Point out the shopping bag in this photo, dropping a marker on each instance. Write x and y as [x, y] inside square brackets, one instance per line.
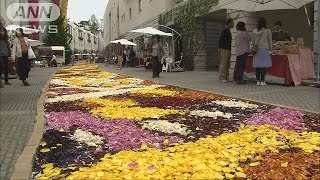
[31, 54]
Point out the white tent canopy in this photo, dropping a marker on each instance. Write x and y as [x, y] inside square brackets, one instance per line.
[35, 42]
[152, 31]
[123, 42]
[13, 28]
[261, 5]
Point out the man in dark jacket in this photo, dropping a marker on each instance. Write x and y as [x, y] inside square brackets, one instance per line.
[225, 51]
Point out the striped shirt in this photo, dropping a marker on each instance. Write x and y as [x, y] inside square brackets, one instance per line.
[242, 42]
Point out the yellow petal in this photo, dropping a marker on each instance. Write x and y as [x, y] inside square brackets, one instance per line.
[284, 164]
[166, 142]
[100, 174]
[229, 176]
[254, 164]
[45, 150]
[43, 143]
[241, 175]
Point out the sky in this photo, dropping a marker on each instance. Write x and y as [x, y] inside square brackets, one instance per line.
[79, 10]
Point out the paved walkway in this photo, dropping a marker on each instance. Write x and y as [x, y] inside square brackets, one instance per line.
[17, 113]
[301, 97]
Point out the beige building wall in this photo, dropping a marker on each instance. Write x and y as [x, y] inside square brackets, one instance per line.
[121, 16]
[81, 42]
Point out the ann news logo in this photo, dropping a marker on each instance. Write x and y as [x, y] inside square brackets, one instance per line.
[26, 12]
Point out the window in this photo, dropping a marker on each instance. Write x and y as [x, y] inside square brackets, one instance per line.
[139, 6]
[89, 38]
[123, 18]
[95, 40]
[80, 35]
[130, 13]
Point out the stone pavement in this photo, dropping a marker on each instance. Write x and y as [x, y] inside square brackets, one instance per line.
[301, 97]
[17, 113]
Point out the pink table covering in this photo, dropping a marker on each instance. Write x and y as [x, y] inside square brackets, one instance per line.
[295, 68]
[307, 64]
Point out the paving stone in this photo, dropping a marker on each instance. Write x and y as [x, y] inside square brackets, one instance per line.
[18, 113]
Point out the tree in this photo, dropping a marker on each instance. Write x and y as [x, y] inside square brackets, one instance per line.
[84, 23]
[60, 38]
[94, 25]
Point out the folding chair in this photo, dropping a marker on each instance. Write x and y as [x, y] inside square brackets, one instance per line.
[177, 64]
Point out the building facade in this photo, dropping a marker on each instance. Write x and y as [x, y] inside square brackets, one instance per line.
[82, 41]
[122, 16]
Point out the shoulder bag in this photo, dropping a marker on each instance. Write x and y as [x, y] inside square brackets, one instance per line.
[255, 47]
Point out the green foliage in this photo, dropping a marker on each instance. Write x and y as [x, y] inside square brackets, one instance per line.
[84, 23]
[186, 16]
[94, 25]
[60, 38]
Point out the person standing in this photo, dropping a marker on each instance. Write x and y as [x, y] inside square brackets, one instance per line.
[5, 53]
[20, 52]
[132, 55]
[53, 61]
[279, 34]
[120, 54]
[262, 38]
[127, 54]
[242, 50]
[225, 51]
[73, 58]
[157, 53]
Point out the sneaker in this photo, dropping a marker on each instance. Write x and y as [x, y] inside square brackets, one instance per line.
[263, 83]
[258, 83]
[224, 81]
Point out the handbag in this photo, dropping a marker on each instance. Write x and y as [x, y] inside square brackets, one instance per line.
[31, 54]
[255, 47]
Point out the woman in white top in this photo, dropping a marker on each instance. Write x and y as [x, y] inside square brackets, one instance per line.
[20, 49]
[157, 53]
[262, 37]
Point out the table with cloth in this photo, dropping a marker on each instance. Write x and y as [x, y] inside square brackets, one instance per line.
[286, 69]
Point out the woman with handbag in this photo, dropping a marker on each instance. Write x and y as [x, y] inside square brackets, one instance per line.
[5, 53]
[20, 52]
[262, 47]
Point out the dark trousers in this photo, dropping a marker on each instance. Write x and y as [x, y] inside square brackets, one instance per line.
[240, 67]
[4, 68]
[156, 66]
[23, 66]
[29, 67]
[261, 74]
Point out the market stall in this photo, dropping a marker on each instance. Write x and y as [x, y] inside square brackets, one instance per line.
[291, 63]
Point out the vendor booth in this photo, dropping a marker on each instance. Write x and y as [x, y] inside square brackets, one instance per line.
[291, 63]
[292, 60]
